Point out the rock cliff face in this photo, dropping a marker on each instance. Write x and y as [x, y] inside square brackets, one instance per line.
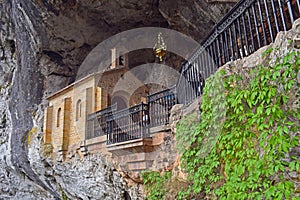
[42, 44]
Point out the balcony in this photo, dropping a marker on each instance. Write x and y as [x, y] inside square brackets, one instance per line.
[128, 124]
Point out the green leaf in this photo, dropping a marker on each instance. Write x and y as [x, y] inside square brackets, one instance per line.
[292, 166]
[285, 129]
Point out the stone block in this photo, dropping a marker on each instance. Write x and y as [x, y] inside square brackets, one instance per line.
[158, 138]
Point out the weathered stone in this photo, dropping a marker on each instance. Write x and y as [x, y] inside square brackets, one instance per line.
[42, 43]
[175, 116]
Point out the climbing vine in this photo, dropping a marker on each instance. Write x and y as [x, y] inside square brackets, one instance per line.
[239, 149]
[155, 184]
[253, 127]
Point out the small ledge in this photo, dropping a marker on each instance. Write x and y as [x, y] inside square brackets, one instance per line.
[96, 140]
[160, 128]
[137, 143]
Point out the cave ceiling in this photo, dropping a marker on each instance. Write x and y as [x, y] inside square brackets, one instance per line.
[73, 28]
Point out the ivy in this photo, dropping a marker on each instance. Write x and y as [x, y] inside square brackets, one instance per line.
[155, 186]
[245, 134]
[239, 148]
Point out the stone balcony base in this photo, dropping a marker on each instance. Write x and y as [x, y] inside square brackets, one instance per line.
[135, 155]
[134, 146]
[97, 144]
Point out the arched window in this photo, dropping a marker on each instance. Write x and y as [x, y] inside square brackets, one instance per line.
[58, 117]
[78, 109]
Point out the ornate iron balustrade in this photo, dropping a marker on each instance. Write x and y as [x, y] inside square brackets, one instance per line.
[160, 105]
[128, 124]
[97, 122]
[190, 84]
[249, 25]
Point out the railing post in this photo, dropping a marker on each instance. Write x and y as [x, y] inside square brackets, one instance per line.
[275, 16]
[219, 62]
[207, 61]
[202, 63]
[247, 50]
[269, 21]
[108, 131]
[282, 14]
[290, 11]
[236, 54]
[223, 48]
[95, 127]
[214, 54]
[188, 85]
[256, 25]
[240, 41]
[262, 22]
[193, 81]
[231, 45]
[251, 32]
[226, 47]
[195, 66]
[185, 87]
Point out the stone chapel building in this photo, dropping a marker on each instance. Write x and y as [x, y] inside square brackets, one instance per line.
[73, 128]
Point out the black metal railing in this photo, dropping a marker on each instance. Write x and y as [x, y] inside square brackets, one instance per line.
[160, 105]
[249, 25]
[97, 122]
[190, 84]
[128, 124]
